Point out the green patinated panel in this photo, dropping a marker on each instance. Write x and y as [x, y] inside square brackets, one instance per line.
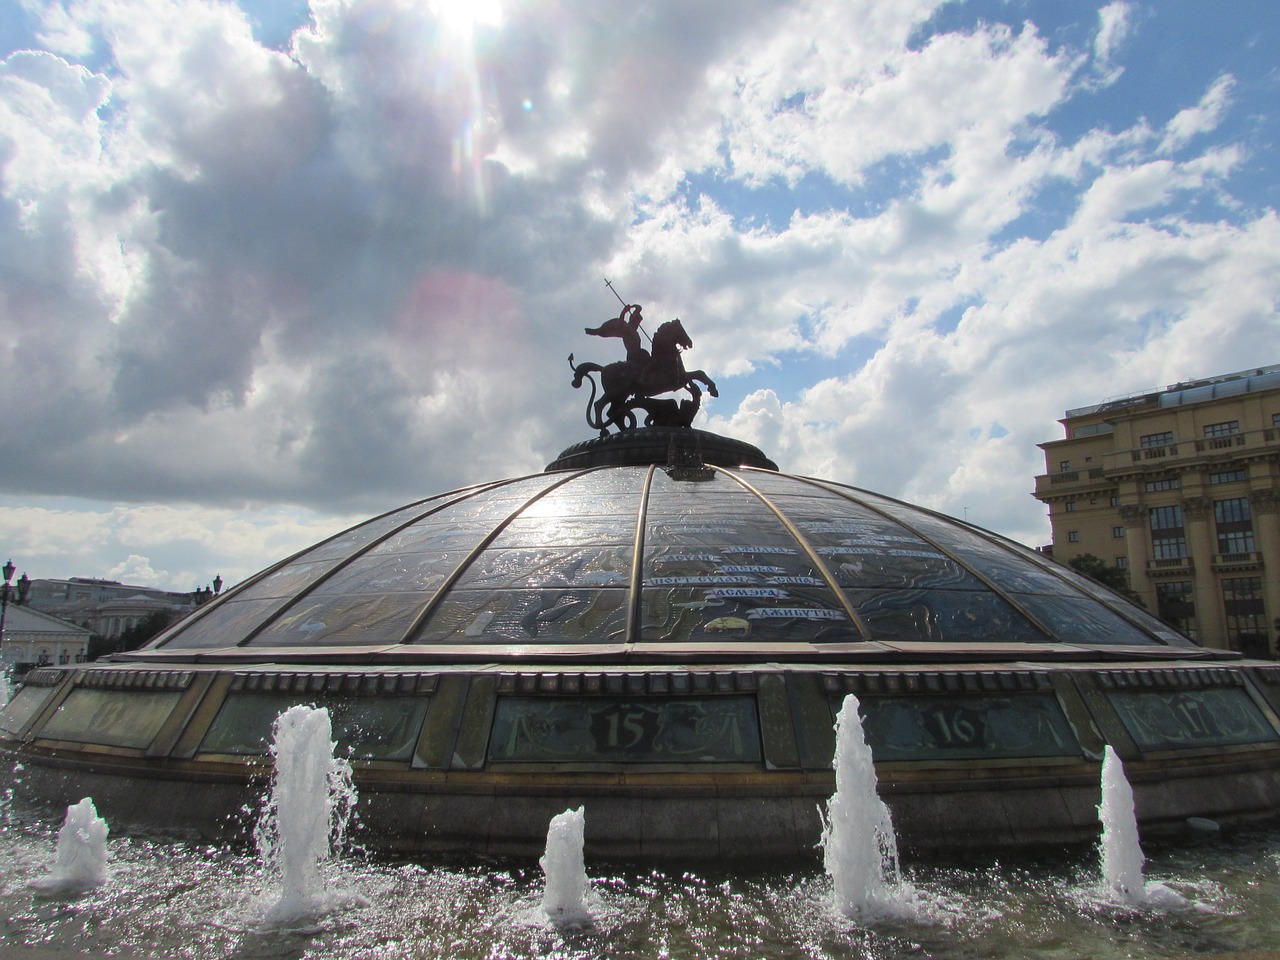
[965, 728]
[588, 730]
[776, 724]
[441, 728]
[1218, 716]
[365, 728]
[26, 703]
[112, 718]
[476, 716]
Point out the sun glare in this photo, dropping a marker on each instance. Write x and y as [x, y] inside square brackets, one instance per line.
[465, 15]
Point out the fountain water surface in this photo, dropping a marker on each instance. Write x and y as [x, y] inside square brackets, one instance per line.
[80, 860]
[304, 821]
[859, 849]
[564, 897]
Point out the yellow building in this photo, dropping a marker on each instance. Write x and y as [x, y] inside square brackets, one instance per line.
[1181, 489]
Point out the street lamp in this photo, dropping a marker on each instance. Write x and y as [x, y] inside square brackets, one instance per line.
[8, 570]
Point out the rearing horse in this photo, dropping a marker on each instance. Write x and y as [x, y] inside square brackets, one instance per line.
[625, 381]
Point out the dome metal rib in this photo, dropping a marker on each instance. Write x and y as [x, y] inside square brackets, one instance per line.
[814, 557]
[443, 589]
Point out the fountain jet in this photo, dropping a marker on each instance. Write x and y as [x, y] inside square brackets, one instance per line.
[80, 860]
[1121, 852]
[859, 849]
[305, 818]
[563, 899]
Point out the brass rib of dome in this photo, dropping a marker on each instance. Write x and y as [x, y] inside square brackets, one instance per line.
[850, 494]
[813, 556]
[995, 588]
[634, 606]
[243, 587]
[1123, 611]
[442, 591]
[344, 562]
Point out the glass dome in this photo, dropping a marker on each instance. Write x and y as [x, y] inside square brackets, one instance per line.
[659, 561]
[663, 627]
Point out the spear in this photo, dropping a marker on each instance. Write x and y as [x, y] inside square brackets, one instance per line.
[609, 283]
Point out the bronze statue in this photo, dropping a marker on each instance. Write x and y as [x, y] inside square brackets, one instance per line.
[628, 385]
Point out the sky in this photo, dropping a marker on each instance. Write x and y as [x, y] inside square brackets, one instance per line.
[267, 269]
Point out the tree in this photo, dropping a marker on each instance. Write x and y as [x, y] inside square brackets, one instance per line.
[1097, 569]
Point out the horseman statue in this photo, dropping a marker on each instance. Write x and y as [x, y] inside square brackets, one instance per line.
[630, 385]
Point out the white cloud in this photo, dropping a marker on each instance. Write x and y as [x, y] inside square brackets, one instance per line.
[1202, 118]
[348, 274]
[1115, 21]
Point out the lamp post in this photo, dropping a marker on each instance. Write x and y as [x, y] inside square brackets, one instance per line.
[23, 586]
[8, 571]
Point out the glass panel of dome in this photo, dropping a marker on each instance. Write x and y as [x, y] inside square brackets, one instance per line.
[345, 544]
[439, 533]
[757, 536]
[897, 566]
[601, 493]
[776, 484]
[521, 616]
[783, 566]
[865, 550]
[942, 616]
[673, 614]
[1006, 566]
[398, 573]
[289, 579]
[596, 566]
[1081, 620]
[224, 624]
[352, 619]
[1158, 628]
[568, 531]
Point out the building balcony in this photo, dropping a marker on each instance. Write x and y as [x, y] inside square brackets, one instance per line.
[1237, 561]
[1213, 449]
[1171, 567]
[1068, 481]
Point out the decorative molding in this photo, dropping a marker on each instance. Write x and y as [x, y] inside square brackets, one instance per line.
[1197, 508]
[1134, 515]
[1265, 501]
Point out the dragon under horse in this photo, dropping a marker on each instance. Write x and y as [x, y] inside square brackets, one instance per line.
[629, 385]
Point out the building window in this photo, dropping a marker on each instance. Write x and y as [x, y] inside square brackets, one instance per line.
[1115, 501]
[1228, 476]
[1235, 525]
[1168, 541]
[1175, 605]
[1225, 429]
[1117, 533]
[1064, 466]
[1275, 419]
[1155, 486]
[1122, 563]
[1156, 439]
[1071, 506]
[1246, 619]
[1073, 536]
